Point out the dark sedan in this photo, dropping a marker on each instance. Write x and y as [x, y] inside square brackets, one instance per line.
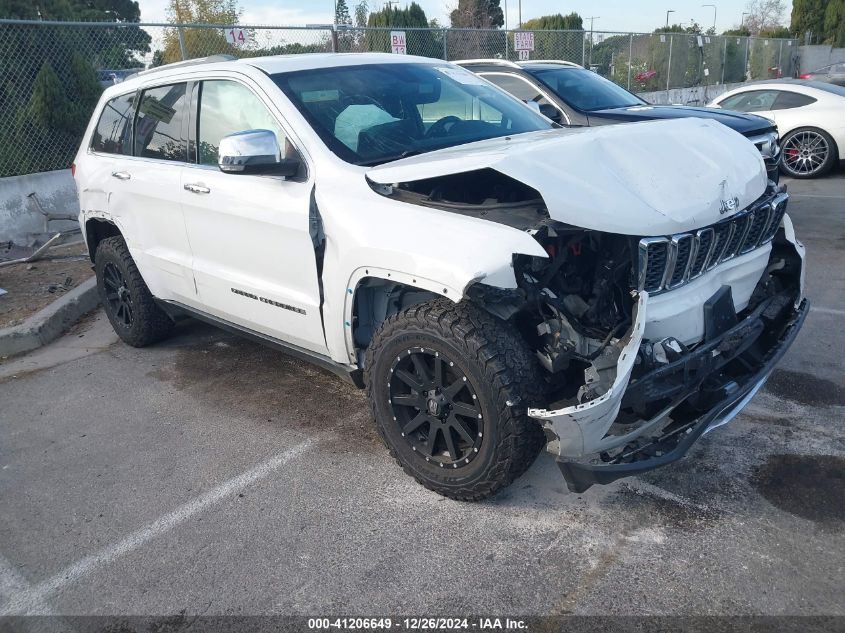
[574, 96]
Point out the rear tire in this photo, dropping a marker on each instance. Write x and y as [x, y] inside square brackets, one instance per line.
[475, 404]
[807, 153]
[126, 299]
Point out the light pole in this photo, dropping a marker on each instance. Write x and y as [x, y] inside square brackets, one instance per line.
[714, 15]
[591, 18]
[742, 20]
[520, 14]
[667, 16]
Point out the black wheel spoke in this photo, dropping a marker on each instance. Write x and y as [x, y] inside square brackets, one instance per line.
[468, 410]
[409, 380]
[450, 444]
[410, 400]
[452, 390]
[432, 439]
[462, 429]
[415, 423]
[438, 371]
[420, 369]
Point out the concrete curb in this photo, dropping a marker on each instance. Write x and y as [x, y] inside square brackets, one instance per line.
[50, 322]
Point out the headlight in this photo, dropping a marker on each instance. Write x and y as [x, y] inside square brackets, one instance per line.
[767, 144]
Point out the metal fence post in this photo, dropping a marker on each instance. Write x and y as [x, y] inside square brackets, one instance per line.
[745, 74]
[334, 39]
[583, 49]
[780, 56]
[630, 54]
[445, 45]
[724, 57]
[669, 63]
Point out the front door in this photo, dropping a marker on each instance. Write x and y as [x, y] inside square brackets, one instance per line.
[253, 257]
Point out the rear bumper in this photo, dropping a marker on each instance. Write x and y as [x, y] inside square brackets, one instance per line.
[684, 430]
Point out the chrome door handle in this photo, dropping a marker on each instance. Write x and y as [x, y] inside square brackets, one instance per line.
[121, 175]
[197, 188]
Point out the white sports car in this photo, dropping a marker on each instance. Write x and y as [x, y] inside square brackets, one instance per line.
[810, 116]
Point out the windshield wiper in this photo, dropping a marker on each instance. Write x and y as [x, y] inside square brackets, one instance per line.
[390, 159]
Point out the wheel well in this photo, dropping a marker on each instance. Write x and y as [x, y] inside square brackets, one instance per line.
[377, 299]
[96, 230]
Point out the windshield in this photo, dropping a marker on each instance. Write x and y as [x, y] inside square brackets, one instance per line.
[375, 113]
[585, 90]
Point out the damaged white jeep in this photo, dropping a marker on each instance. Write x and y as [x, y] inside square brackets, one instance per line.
[497, 282]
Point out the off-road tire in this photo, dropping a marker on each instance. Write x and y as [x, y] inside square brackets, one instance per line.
[149, 323]
[503, 372]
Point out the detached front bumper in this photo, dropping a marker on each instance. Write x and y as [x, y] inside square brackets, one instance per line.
[656, 408]
[686, 427]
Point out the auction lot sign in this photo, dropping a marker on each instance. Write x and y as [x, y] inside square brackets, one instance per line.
[523, 43]
[398, 43]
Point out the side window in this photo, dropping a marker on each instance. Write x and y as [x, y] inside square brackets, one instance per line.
[227, 107]
[113, 134]
[159, 126]
[518, 87]
[754, 101]
[786, 100]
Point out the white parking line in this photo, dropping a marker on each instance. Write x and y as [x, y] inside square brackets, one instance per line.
[822, 310]
[814, 195]
[26, 599]
[13, 584]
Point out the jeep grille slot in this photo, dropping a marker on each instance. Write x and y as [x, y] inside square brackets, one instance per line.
[668, 262]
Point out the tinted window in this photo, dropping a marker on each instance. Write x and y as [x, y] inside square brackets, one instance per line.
[517, 87]
[585, 90]
[159, 128]
[114, 129]
[227, 107]
[375, 113]
[752, 101]
[786, 100]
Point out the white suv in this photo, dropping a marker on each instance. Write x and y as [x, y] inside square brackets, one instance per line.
[497, 282]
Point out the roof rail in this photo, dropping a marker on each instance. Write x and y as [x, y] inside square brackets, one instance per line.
[190, 62]
[502, 62]
[552, 61]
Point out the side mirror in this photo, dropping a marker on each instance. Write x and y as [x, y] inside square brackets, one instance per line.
[254, 152]
[550, 112]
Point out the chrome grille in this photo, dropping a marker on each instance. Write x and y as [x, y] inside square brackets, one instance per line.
[666, 263]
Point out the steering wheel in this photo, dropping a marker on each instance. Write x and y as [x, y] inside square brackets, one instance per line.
[441, 126]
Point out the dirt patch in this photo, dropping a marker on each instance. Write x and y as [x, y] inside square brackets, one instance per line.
[239, 375]
[647, 509]
[808, 486]
[805, 388]
[31, 287]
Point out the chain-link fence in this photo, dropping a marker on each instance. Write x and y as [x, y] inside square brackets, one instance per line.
[51, 73]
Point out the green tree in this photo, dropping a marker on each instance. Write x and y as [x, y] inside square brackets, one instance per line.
[341, 13]
[412, 16]
[808, 19]
[556, 22]
[199, 42]
[477, 14]
[834, 23]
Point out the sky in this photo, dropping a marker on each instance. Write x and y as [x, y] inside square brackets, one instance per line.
[611, 15]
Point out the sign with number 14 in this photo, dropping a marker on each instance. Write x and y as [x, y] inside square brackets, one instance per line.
[235, 36]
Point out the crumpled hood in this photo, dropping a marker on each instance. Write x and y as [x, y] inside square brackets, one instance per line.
[651, 178]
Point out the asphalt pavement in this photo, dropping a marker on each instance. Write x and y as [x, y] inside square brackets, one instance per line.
[208, 475]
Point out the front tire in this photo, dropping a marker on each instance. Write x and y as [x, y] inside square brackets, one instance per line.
[449, 387]
[126, 299]
[807, 153]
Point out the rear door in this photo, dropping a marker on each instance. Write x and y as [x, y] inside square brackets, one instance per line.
[254, 258]
[144, 195]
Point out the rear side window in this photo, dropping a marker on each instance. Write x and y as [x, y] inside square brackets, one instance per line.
[752, 101]
[113, 134]
[788, 100]
[161, 124]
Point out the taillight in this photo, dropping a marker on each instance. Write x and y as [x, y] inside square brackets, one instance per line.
[805, 76]
[73, 170]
